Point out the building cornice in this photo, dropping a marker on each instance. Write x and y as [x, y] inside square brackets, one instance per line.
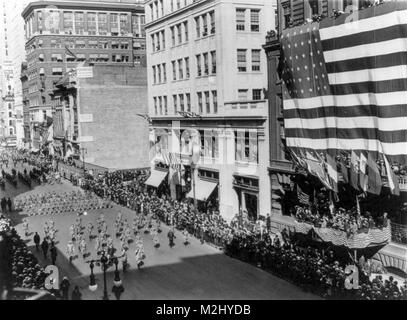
[177, 12]
[134, 8]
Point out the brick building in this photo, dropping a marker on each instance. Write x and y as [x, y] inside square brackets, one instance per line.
[61, 34]
[96, 115]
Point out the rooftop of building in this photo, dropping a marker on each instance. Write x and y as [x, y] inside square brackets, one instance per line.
[120, 5]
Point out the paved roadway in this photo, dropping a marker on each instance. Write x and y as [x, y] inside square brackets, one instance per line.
[193, 272]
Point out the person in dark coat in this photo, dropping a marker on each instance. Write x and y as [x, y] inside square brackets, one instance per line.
[171, 237]
[53, 253]
[65, 284]
[268, 223]
[9, 204]
[76, 294]
[37, 241]
[44, 247]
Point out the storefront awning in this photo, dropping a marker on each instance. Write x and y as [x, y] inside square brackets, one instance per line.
[156, 178]
[203, 190]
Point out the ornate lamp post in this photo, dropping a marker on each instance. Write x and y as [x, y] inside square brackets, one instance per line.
[105, 264]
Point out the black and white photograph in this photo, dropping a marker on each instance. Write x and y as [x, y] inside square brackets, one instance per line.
[222, 152]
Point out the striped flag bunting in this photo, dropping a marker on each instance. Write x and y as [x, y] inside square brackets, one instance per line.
[302, 196]
[345, 83]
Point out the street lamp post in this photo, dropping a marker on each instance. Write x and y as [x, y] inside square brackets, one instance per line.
[105, 265]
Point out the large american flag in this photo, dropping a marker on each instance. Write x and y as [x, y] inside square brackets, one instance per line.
[345, 83]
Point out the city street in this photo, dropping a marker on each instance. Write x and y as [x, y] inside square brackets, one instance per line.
[193, 272]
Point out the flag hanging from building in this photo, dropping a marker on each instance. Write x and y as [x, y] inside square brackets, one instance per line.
[391, 178]
[345, 83]
[69, 53]
[354, 171]
[332, 172]
[374, 179]
[302, 196]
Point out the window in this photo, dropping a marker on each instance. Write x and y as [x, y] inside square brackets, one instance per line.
[186, 36]
[205, 25]
[180, 69]
[79, 23]
[256, 94]
[241, 60]
[207, 102]
[115, 45]
[93, 57]
[187, 74]
[159, 73]
[155, 106]
[256, 60]
[160, 104]
[124, 24]
[174, 99]
[173, 36]
[242, 94]
[206, 63]
[163, 39]
[188, 96]
[174, 70]
[199, 94]
[179, 32]
[213, 61]
[198, 65]
[215, 101]
[240, 19]
[80, 44]
[212, 21]
[103, 45]
[198, 27]
[164, 72]
[57, 71]
[181, 102]
[114, 24]
[102, 23]
[124, 45]
[165, 105]
[56, 57]
[255, 20]
[70, 44]
[56, 43]
[68, 22]
[92, 29]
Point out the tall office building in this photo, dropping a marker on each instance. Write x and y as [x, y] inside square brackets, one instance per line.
[206, 78]
[60, 35]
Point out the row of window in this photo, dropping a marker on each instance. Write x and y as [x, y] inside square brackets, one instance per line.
[207, 103]
[205, 25]
[90, 44]
[254, 19]
[246, 144]
[243, 94]
[204, 66]
[79, 23]
[242, 65]
[159, 73]
[209, 100]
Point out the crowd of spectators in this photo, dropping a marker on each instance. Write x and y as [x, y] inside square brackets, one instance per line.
[306, 266]
[18, 263]
[349, 221]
